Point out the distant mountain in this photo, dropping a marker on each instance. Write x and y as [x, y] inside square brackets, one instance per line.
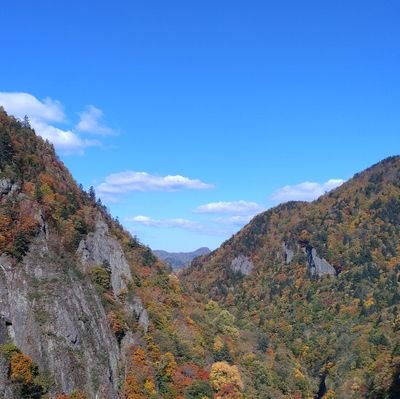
[178, 260]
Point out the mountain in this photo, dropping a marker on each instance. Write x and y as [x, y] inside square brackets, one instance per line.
[178, 260]
[312, 292]
[303, 302]
[85, 310]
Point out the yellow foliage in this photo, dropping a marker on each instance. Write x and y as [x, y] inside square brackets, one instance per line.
[150, 386]
[223, 374]
[298, 374]
[174, 283]
[171, 364]
[218, 344]
[369, 302]
[330, 394]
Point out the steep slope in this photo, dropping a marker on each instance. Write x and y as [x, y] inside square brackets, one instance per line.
[85, 310]
[178, 260]
[312, 290]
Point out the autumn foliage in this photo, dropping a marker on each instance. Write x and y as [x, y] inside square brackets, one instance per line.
[21, 368]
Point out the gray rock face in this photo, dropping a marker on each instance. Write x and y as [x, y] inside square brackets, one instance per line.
[144, 320]
[3, 330]
[317, 266]
[242, 264]
[57, 318]
[100, 247]
[5, 186]
[5, 386]
[288, 253]
[138, 310]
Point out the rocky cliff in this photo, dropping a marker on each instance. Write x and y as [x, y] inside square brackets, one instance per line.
[78, 295]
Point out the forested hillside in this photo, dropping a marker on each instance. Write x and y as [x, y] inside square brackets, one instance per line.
[313, 293]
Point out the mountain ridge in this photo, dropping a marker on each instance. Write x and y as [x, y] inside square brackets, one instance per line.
[178, 260]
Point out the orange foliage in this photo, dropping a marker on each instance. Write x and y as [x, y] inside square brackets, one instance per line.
[21, 368]
[116, 324]
[132, 388]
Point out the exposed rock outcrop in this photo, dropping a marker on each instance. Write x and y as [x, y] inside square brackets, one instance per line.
[99, 248]
[5, 388]
[288, 253]
[8, 188]
[5, 186]
[318, 267]
[46, 297]
[137, 309]
[242, 264]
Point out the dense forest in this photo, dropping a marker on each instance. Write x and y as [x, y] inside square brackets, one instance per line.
[303, 302]
[337, 332]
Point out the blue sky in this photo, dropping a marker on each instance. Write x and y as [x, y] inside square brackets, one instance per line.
[248, 103]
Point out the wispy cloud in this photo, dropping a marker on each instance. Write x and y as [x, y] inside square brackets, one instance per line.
[46, 116]
[91, 121]
[234, 207]
[210, 228]
[129, 181]
[306, 191]
[168, 223]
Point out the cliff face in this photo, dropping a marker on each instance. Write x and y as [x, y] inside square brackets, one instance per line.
[57, 318]
[51, 310]
[100, 248]
[75, 287]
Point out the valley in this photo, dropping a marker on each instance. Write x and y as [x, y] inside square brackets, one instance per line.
[302, 302]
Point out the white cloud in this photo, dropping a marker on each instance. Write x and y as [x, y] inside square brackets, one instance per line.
[235, 207]
[211, 228]
[168, 223]
[44, 115]
[129, 181]
[306, 191]
[91, 122]
[64, 140]
[21, 104]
